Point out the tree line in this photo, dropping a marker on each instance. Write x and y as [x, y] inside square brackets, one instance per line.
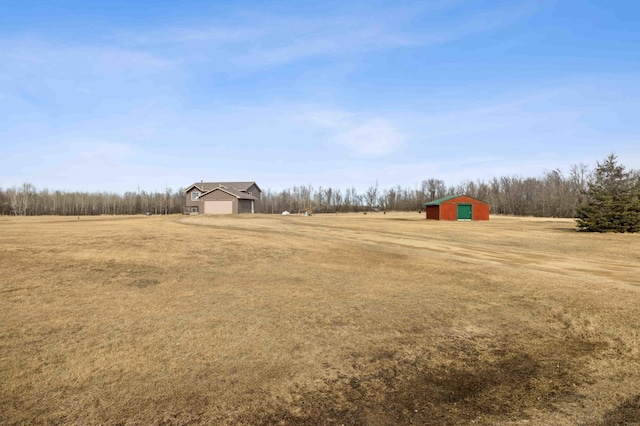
[553, 194]
[26, 200]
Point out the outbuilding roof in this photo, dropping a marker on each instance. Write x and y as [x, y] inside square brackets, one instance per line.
[451, 197]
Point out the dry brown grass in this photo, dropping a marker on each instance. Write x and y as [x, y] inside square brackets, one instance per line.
[349, 319]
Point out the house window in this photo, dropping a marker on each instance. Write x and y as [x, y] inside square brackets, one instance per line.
[194, 195]
[249, 192]
[194, 209]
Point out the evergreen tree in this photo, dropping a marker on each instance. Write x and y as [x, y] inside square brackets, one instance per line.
[612, 200]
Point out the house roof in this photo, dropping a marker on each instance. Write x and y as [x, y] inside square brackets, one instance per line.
[445, 199]
[231, 191]
[208, 186]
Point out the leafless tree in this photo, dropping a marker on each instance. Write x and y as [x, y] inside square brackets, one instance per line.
[371, 196]
[433, 188]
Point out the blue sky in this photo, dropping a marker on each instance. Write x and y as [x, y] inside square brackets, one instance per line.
[112, 96]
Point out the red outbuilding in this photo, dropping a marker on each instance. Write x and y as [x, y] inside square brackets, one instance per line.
[457, 207]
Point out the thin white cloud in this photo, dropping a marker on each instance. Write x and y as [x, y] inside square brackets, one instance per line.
[213, 33]
[89, 163]
[81, 165]
[54, 78]
[372, 138]
[394, 28]
[105, 153]
[259, 39]
[44, 70]
[475, 24]
[368, 137]
[38, 56]
[326, 118]
[320, 43]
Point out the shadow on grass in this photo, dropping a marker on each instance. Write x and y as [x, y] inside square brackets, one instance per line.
[388, 390]
[627, 413]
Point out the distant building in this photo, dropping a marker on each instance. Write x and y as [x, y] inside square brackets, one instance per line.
[457, 207]
[222, 198]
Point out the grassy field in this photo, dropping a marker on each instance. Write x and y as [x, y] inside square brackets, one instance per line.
[350, 319]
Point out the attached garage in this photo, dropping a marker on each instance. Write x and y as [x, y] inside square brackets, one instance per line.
[219, 201]
[457, 207]
[218, 207]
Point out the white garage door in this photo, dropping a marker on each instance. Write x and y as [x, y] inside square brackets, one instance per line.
[218, 207]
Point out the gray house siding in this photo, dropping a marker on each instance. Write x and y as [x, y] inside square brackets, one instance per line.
[244, 206]
[191, 203]
[255, 191]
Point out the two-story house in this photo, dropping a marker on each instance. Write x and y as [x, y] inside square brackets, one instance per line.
[222, 198]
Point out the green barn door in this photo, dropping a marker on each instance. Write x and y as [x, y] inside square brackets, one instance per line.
[464, 212]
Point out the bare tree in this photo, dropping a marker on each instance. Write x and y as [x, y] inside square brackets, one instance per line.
[434, 188]
[21, 197]
[371, 195]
